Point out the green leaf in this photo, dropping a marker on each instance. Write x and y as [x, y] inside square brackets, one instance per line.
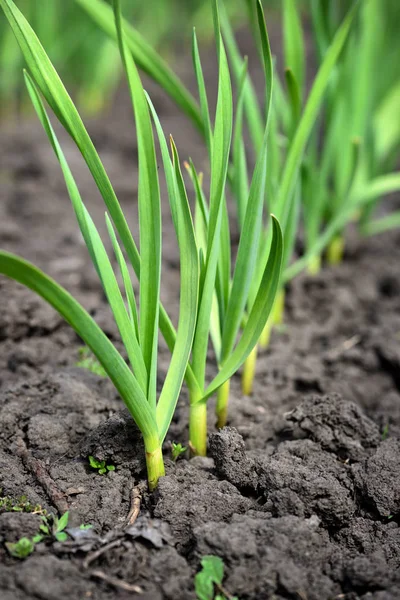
[380, 186]
[293, 42]
[189, 270]
[249, 240]
[94, 463]
[306, 124]
[259, 313]
[214, 567]
[123, 267]
[24, 272]
[219, 168]
[373, 227]
[95, 246]
[360, 197]
[146, 58]
[295, 99]
[58, 98]
[252, 108]
[52, 88]
[62, 522]
[21, 549]
[240, 178]
[61, 537]
[202, 93]
[204, 587]
[149, 217]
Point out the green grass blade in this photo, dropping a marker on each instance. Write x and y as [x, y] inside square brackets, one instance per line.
[383, 224]
[240, 178]
[294, 49]
[176, 209]
[149, 216]
[292, 226]
[249, 240]
[223, 280]
[146, 58]
[258, 315]
[386, 184]
[24, 272]
[380, 186]
[95, 246]
[189, 271]
[115, 300]
[57, 97]
[306, 125]
[254, 117]
[123, 267]
[219, 168]
[202, 93]
[319, 28]
[295, 100]
[201, 225]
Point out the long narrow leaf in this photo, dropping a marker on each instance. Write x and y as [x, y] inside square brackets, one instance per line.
[95, 246]
[149, 216]
[219, 168]
[258, 315]
[202, 93]
[292, 165]
[24, 272]
[189, 269]
[249, 239]
[123, 267]
[56, 95]
[146, 58]
[294, 42]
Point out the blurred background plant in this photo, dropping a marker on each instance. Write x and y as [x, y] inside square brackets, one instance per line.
[86, 58]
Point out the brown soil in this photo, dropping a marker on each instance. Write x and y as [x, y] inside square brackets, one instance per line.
[300, 495]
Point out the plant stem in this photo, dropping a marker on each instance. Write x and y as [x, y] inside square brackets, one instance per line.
[221, 409]
[314, 265]
[154, 463]
[197, 427]
[249, 369]
[335, 250]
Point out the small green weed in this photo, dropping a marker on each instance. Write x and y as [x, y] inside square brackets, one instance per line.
[21, 549]
[100, 465]
[208, 582]
[53, 527]
[177, 450]
[20, 504]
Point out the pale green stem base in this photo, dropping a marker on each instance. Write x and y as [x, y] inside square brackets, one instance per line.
[278, 308]
[249, 369]
[198, 428]
[314, 266]
[275, 318]
[221, 409]
[335, 250]
[155, 466]
[266, 334]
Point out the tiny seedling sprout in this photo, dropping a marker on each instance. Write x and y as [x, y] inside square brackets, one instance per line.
[100, 465]
[21, 549]
[177, 450]
[208, 581]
